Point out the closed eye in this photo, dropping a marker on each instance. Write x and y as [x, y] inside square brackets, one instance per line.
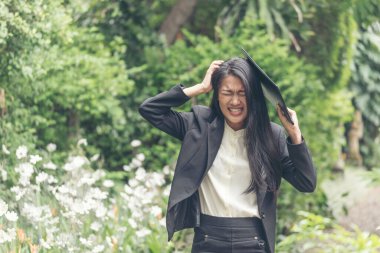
[228, 94]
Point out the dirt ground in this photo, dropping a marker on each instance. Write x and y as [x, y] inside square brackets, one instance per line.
[354, 200]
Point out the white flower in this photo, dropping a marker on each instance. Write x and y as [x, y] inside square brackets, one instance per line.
[34, 159]
[4, 174]
[101, 211]
[108, 183]
[96, 193]
[132, 222]
[98, 249]
[20, 192]
[133, 182]
[85, 242]
[166, 170]
[136, 163]
[156, 211]
[50, 166]
[167, 190]
[41, 177]
[11, 216]
[25, 169]
[75, 162]
[135, 143]
[122, 229]
[143, 232]
[21, 152]
[109, 241]
[45, 244]
[94, 158]
[157, 179]
[162, 221]
[82, 142]
[8, 236]
[138, 214]
[3, 207]
[52, 180]
[140, 174]
[5, 150]
[140, 157]
[126, 168]
[24, 181]
[51, 147]
[95, 226]
[128, 189]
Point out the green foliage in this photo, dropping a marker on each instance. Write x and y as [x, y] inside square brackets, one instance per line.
[133, 20]
[366, 12]
[281, 18]
[315, 233]
[73, 206]
[365, 84]
[320, 111]
[331, 44]
[61, 81]
[290, 201]
[205, 17]
[63, 68]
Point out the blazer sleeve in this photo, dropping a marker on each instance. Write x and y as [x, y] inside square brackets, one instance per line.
[297, 164]
[157, 110]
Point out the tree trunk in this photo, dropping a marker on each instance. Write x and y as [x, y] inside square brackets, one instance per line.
[73, 124]
[178, 16]
[354, 135]
[3, 105]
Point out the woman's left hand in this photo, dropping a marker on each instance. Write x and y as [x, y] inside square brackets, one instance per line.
[294, 131]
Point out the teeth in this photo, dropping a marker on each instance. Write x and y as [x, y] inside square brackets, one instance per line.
[236, 110]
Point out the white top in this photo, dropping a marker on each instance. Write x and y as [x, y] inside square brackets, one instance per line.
[221, 191]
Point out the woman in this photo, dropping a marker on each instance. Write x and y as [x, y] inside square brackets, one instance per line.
[231, 161]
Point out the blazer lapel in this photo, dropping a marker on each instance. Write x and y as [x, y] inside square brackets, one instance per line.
[214, 139]
[260, 195]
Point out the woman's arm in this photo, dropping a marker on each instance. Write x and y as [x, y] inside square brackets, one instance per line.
[205, 86]
[297, 165]
[157, 110]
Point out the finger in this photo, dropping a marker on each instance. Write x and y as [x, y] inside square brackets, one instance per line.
[279, 108]
[217, 62]
[290, 110]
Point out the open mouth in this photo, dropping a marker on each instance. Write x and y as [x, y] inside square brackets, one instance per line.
[235, 111]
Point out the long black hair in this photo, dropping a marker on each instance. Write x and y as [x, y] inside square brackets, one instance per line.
[262, 151]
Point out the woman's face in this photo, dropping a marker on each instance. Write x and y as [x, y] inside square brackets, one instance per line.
[232, 101]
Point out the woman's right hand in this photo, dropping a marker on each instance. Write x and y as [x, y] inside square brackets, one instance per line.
[205, 86]
[206, 83]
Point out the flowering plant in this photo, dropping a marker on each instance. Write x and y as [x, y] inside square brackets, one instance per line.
[72, 207]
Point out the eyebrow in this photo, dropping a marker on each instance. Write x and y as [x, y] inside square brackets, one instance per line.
[230, 90]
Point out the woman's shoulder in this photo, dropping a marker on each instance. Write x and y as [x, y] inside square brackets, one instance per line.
[203, 112]
[276, 128]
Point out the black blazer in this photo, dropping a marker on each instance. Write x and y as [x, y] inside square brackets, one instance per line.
[201, 132]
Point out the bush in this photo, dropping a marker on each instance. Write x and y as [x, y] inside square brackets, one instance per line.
[76, 206]
[314, 234]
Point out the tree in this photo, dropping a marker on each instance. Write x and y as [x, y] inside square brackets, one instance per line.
[178, 16]
[64, 80]
[366, 78]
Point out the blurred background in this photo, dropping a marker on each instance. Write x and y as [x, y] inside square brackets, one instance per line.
[81, 171]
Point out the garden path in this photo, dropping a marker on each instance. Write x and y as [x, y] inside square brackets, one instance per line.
[354, 199]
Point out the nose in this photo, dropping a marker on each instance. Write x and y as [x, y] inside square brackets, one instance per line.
[235, 99]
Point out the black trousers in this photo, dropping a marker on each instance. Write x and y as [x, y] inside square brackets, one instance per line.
[229, 235]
